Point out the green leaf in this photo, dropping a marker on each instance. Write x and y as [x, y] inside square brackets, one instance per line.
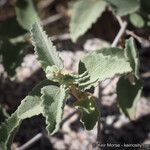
[11, 55]
[89, 112]
[128, 95]
[3, 113]
[137, 20]
[10, 28]
[102, 64]
[26, 13]
[53, 104]
[44, 48]
[32, 104]
[132, 56]
[124, 7]
[84, 14]
[7, 131]
[145, 4]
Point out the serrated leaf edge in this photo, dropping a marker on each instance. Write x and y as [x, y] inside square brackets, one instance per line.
[46, 113]
[47, 40]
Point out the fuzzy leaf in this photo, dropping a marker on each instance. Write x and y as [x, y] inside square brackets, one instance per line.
[44, 48]
[53, 104]
[7, 131]
[26, 13]
[128, 95]
[102, 64]
[124, 7]
[89, 112]
[132, 56]
[84, 14]
[32, 104]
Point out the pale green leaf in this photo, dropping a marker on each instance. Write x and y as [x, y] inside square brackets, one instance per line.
[7, 131]
[26, 13]
[53, 104]
[89, 112]
[137, 20]
[102, 64]
[124, 7]
[128, 95]
[84, 14]
[132, 56]
[32, 104]
[44, 48]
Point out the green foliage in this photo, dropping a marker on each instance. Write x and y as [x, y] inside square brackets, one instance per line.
[145, 5]
[7, 131]
[29, 107]
[89, 112]
[102, 64]
[137, 20]
[53, 104]
[11, 51]
[26, 13]
[10, 29]
[83, 13]
[44, 49]
[11, 55]
[128, 95]
[48, 98]
[132, 56]
[3, 114]
[83, 16]
[32, 104]
[124, 7]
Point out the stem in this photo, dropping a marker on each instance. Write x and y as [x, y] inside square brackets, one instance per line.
[30, 142]
[120, 34]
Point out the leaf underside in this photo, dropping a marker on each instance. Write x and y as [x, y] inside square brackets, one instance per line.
[53, 103]
[84, 14]
[44, 49]
[128, 95]
[102, 64]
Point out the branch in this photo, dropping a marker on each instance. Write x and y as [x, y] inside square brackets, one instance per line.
[39, 135]
[68, 117]
[30, 142]
[120, 33]
[51, 19]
